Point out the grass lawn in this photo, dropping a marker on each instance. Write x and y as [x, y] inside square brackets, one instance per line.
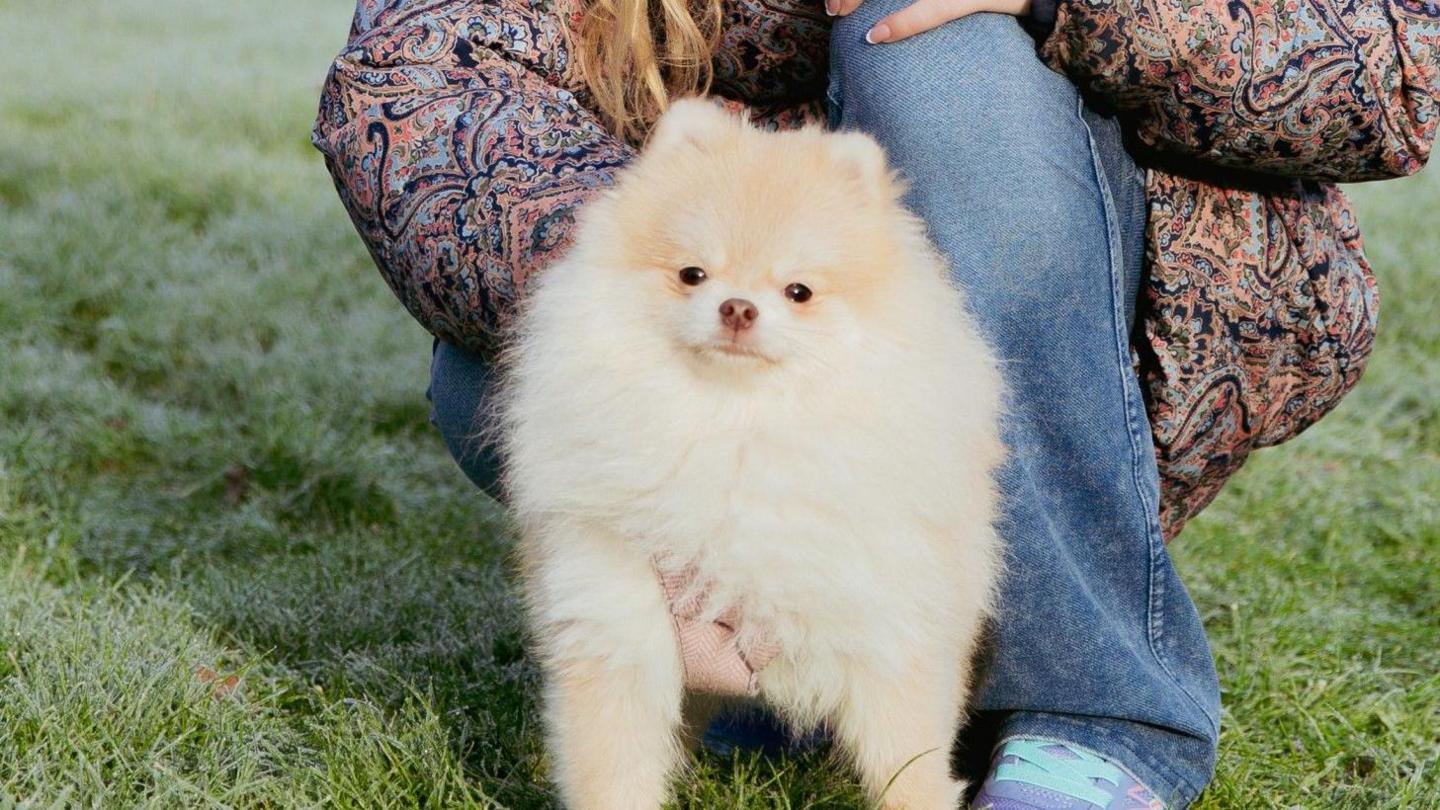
[237, 567]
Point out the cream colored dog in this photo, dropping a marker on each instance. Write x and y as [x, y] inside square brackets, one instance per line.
[752, 369]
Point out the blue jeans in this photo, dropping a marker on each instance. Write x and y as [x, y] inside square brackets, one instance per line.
[1041, 213]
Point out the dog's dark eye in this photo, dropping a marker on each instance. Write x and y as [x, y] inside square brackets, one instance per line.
[798, 293]
[692, 276]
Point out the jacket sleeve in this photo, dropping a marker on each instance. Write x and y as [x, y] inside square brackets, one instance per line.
[460, 153]
[1340, 90]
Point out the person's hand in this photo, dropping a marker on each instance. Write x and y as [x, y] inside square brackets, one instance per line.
[922, 15]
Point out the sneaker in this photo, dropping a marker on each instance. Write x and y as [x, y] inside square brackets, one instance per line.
[1030, 774]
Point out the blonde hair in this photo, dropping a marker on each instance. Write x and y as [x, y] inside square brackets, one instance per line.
[636, 55]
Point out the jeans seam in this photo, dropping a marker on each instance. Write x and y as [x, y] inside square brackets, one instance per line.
[833, 97]
[1156, 591]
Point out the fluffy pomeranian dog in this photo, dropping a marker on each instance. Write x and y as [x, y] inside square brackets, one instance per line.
[748, 412]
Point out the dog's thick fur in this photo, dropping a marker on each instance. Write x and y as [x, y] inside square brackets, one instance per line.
[827, 470]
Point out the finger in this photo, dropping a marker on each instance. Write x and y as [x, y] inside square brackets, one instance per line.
[920, 16]
[839, 8]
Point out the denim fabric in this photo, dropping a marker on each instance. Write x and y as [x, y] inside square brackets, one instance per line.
[458, 383]
[1042, 214]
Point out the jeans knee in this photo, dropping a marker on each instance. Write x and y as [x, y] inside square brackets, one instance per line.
[982, 68]
[967, 107]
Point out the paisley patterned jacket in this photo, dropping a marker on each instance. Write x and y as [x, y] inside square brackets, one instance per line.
[461, 141]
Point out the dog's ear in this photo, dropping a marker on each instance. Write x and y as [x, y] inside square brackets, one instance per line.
[861, 157]
[694, 122]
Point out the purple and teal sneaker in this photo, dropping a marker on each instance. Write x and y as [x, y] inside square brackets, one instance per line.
[1030, 774]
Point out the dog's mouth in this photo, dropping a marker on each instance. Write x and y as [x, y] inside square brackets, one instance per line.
[734, 349]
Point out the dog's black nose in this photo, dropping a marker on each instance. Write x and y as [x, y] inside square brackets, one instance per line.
[737, 313]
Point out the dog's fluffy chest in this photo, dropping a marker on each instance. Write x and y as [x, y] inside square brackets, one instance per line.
[806, 517]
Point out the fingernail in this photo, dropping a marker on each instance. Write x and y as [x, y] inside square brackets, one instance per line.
[830, 6]
[878, 34]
